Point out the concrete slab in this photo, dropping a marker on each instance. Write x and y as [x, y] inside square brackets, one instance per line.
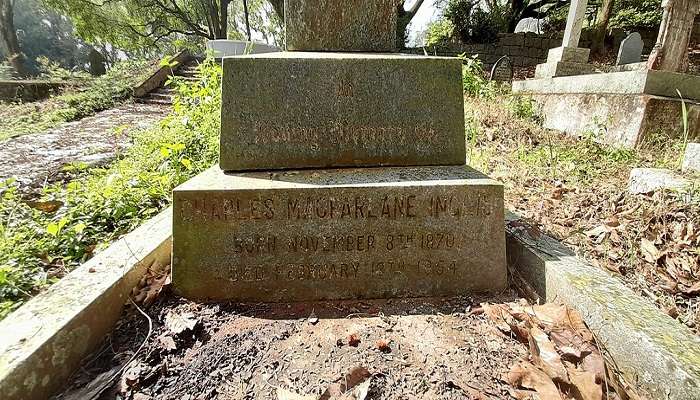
[341, 109]
[648, 180]
[652, 350]
[691, 158]
[45, 340]
[624, 120]
[650, 82]
[338, 234]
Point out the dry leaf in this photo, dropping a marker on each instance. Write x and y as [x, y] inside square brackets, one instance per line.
[50, 206]
[353, 340]
[693, 290]
[168, 343]
[649, 251]
[545, 355]
[353, 378]
[586, 386]
[528, 376]
[594, 363]
[283, 394]
[178, 323]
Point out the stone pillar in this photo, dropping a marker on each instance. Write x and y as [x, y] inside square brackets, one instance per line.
[569, 59]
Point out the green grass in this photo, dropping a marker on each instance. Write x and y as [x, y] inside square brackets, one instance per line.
[83, 96]
[38, 247]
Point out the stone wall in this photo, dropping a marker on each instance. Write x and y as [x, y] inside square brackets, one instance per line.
[18, 90]
[523, 49]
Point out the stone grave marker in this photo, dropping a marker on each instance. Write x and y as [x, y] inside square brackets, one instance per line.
[273, 222]
[630, 49]
[502, 70]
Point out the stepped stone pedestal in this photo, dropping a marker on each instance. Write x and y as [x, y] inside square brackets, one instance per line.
[338, 234]
[565, 61]
[273, 223]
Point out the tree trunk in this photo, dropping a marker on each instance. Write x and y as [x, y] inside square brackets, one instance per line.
[247, 19]
[8, 36]
[278, 6]
[670, 52]
[404, 18]
[601, 29]
[223, 4]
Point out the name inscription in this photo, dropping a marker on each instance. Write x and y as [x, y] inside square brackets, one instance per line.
[388, 207]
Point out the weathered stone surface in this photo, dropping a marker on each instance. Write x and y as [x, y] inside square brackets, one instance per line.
[45, 340]
[647, 180]
[227, 48]
[630, 49]
[617, 119]
[568, 54]
[348, 25]
[691, 158]
[559, 69]
[297, 110]
[658, 83]
[338, 234]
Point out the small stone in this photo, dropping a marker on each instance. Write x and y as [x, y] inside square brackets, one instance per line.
[691, 159]
[648, 180]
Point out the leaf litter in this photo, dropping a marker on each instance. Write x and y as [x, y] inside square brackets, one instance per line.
[481, 348]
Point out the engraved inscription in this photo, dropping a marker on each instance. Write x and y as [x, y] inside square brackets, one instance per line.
[343, 134]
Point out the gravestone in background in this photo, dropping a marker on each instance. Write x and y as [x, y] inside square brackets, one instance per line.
[630, 49]
[256, 229]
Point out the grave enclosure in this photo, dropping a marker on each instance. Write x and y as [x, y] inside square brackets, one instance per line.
[278, 220]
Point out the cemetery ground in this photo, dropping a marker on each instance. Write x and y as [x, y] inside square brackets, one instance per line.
[498, 347]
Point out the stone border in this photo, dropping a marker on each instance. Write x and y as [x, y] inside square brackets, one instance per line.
[45, 340]
[652, 350]
[657, 83]
[159, 77]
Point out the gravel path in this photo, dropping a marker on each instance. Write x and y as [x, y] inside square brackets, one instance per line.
[37, 158]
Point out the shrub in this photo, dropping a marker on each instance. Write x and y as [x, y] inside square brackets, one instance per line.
[474, 81]
[631, 14]
[473, 24]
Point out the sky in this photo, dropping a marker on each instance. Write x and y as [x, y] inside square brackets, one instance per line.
[426, 14]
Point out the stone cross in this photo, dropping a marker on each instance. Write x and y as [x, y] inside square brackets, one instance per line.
[574, 23]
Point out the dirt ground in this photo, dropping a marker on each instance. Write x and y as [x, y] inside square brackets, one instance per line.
[479, 348]
[34, 159]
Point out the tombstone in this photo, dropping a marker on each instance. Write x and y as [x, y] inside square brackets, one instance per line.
[502, 70]
[277, 221]
[630, 49]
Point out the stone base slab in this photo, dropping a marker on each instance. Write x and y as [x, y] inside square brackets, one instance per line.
[320, 110]
[568, 54]
[553, 69]
[624, 120]
[338, 234]
[657, 83]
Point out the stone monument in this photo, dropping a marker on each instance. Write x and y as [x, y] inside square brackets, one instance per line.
[277, 220]
[630, 51]
[569, 59]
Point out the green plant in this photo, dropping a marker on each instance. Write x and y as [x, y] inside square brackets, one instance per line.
[473, 24]
[684, 117]
[473, 79]
[522, 107]
[635, 14]
[439, 33]
[43, 239]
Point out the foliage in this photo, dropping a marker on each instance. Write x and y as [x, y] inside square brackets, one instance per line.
[37, 247]
[45, 33]
[144, 24]
[84, 96]
[474, 81]
[439, 33]
[631, 14]
[475, 24]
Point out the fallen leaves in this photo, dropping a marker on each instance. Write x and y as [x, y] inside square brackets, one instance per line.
[564, 360]
[178, 323]
[353, 386]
